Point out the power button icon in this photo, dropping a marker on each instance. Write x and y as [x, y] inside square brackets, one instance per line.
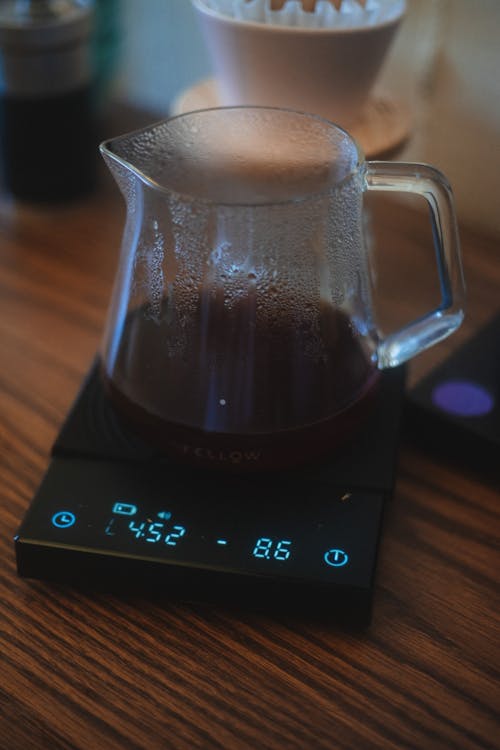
[337, 558]
[63, 519]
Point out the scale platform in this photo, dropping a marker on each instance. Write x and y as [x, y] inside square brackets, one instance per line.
[113, 514]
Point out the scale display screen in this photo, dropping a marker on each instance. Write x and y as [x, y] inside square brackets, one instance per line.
[286, 530]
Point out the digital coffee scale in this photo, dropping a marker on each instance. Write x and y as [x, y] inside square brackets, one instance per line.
[111, 513]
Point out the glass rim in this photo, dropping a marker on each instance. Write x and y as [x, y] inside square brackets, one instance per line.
[105, 147]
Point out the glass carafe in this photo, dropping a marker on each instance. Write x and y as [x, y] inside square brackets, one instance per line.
[241, 331]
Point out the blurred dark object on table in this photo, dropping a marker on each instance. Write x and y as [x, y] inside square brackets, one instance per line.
[56, 60]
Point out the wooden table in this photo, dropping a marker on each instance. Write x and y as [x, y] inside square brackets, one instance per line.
[89, 671]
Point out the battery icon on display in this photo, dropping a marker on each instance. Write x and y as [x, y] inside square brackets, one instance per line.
[124, 509]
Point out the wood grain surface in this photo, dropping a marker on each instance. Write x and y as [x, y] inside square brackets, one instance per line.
[89, 671]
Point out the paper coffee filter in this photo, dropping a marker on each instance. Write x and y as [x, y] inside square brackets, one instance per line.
[319, 14]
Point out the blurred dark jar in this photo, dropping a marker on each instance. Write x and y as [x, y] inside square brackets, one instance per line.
[47, 118]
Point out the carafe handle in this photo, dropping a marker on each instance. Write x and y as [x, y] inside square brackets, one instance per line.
[439, 323]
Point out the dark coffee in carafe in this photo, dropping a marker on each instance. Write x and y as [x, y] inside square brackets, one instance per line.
[284, 373]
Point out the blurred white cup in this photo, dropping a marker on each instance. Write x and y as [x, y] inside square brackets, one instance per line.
[326, 71]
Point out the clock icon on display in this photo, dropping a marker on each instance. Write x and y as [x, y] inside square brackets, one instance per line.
[63, 519]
